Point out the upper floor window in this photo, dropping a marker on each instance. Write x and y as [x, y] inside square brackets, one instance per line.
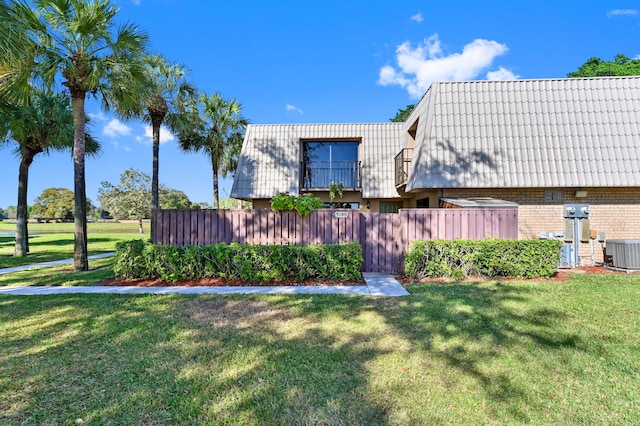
[327, 162]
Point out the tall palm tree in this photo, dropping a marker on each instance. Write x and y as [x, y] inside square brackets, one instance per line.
[41, 124]
[169, 91]
[79, 42]
[215, 127]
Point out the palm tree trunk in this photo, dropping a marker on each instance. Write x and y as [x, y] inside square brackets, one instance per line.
[80, 259]
[216, 199]
[22, 234]
[155, 195]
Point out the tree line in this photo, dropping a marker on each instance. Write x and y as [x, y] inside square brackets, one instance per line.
[79, 45]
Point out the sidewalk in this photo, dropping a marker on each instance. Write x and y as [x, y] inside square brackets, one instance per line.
[52, 263]
[377, 285]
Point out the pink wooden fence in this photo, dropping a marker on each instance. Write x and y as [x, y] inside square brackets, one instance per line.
[384, 237]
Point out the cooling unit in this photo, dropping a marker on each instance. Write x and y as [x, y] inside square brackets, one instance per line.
[624, 253]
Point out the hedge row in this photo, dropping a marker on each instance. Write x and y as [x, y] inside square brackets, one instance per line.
[489, 258]
[246, 262]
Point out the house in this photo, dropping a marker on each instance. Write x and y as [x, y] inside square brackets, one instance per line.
[538, 143]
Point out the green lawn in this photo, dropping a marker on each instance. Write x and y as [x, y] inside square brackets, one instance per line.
[460, 353]
[54, 241]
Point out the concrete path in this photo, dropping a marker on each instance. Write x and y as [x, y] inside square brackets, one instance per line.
[52, 263]
[377, 285]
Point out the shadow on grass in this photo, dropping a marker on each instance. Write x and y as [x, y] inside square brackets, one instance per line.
[259, 360]
[99, 270]
[466, 327]
[180, 360]
[50, 247]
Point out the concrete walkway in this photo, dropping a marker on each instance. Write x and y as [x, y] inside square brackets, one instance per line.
[52, 263]
[377, 285]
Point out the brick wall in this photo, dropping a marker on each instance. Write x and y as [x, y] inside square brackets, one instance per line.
[615, 211]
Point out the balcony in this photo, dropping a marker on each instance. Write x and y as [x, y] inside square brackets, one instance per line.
[403, 164]
[320, 174]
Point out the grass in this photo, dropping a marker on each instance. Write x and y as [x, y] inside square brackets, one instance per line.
[99, 271]
[54, 241]
[460, 353]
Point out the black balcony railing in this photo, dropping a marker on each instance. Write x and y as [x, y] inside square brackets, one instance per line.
[321, 174]
[403, 164]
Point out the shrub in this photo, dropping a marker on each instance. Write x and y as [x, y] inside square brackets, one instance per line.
[247, 262]
[489, 258]
[302, 204]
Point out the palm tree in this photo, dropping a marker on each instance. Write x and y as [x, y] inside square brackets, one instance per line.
[78, 41]
[214, 127]
[41, 124]
[169, 91]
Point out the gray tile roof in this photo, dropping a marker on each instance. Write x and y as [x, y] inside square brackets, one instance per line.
[528, 133]
[270, 158]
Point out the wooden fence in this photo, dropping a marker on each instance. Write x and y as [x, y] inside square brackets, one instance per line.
[384, 236]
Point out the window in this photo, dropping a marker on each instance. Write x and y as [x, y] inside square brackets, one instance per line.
[341, 205]
[327, 162]
[390, 206]
[422, 203]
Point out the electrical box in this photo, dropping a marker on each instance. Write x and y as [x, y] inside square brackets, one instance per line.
[580, 211]
[585, 232]
[568, 230]
[566, 256]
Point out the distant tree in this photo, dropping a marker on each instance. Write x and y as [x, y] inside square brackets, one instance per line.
[132, 198]
[215, 127]
[3, 214]
[403, 114]
[38, 124]
[174, 199]
[596, 67]
[203, 205]
[57, 203]
[78, 43]
[234, 203]
[12, 212]
[129, 200]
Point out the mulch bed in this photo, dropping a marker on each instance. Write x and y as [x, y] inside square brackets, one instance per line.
[560, 275]
[220, 282]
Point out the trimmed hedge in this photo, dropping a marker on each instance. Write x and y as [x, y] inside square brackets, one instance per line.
[246, 262]
[488, 258]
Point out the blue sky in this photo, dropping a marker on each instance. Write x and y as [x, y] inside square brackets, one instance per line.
[332, 61]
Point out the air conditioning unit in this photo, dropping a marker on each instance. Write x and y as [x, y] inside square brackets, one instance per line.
[625, 254]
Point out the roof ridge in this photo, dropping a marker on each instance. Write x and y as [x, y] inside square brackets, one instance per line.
[604, 77]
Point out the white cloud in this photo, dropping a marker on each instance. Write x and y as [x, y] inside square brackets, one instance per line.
[136, 2]
[417, 17]
[293, 108]
[99, 116]
[502, 74]
[619, 12]
[117, 146]
[418, 67]
[165, 135]
[116, 128]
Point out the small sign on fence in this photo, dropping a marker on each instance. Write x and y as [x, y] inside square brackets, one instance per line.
[341, 215]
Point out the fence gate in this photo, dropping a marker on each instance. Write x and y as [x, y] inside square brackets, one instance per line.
[381, 241]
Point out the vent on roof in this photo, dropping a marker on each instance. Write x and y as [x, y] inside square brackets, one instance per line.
[624, 253]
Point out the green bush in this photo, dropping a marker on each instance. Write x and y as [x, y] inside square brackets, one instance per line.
[302, 204]
[246, 262]
[488, 258]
